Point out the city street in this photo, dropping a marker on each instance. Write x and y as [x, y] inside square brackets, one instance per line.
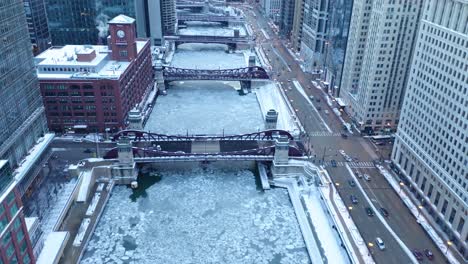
[326, 146]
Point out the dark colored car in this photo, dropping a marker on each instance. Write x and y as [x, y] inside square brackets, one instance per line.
[369, 211]
[333, 163]
[344, 135]
[429, 254]
[418, 254]
[88, 151]
[383, 211]
[354, 199]
[351, 183]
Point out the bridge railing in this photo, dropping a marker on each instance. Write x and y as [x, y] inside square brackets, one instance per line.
[140, 135]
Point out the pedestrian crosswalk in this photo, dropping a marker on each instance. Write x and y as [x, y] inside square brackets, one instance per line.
[323, 134]
[352, 164]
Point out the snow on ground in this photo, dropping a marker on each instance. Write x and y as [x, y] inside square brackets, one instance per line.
[205, 107]
[207, 56]
[269, 97]
[322, 224]
[210, 29]
[198, 216]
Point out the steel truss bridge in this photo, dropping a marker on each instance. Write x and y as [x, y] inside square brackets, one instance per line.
[139, 136]
[240, 74]
[181, 17]
[151, 154]
[181, 39]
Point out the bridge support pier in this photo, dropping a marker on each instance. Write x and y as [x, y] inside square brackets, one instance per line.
[125, 172]
[246, 87]
[271, 119]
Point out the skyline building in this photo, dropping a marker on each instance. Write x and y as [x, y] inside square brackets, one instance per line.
[431, 142]
[337, 38]
[36, 18]
[297, 25]
[313, 36]
[377, 62]
[93, 87]
[287, 18]
[155, 19]
[22, 117]
[16, 245]
[83, 22]
[272, 9]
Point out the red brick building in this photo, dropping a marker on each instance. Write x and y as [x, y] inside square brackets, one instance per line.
[94, 87]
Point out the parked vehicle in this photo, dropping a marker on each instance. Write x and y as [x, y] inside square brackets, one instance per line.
[383, 211]
[359, 175]
[326, 111]
[319, 108]
[380, 243]
[354, 199]
[418, 254]
[429, 254]
[333, 163]
[367, 177]
[352, 183]
[369, 211]
[344, 135]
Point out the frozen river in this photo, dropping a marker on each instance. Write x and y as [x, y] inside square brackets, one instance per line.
[198, 216]
[205, 107]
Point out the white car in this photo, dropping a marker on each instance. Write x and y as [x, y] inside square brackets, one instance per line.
[367, 177]
[326, 111]
[380, 243]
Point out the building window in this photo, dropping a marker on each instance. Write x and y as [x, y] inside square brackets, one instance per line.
[444, 207]
[452, 215]
[13, 209]
[460, 225]
[123, 53]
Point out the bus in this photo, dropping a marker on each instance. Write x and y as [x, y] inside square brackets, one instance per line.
[382, 139]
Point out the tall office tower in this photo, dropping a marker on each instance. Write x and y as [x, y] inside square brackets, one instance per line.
[155, 19]
[297, 25]
[16, 246]
[314, 29]
[37, 25]
[22, 117]
[83, 22]
[337, 37]
[431, 143]
[377, 60]
[287, 18]
[272, 9]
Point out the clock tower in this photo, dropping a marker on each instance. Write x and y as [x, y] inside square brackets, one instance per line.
[122, 39]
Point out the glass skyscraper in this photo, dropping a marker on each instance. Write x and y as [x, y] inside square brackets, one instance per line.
[85, 21]
[22, 118]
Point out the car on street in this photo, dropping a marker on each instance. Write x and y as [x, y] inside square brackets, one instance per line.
[429, 254]
[318, 100]
[383, 211]
[87, 151]
[380, 243]
[319, 108]
[418, 254]
[326, 111]
[344, 135]
[354, 199]
[367, 177]
[333, 163]
[359, 175]
[352, 183]
[289, 80]
[369, 211]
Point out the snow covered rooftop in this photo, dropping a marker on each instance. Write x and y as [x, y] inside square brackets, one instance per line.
[122, 19]
[63, 62]
[53, 248]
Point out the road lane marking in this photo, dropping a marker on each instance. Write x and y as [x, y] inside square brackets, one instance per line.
[381, 218]
[303, 93]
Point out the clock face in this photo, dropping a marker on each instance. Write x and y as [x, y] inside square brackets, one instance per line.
[120, 33]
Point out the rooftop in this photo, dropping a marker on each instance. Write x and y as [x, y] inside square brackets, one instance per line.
[121, 19]
[62, 63]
